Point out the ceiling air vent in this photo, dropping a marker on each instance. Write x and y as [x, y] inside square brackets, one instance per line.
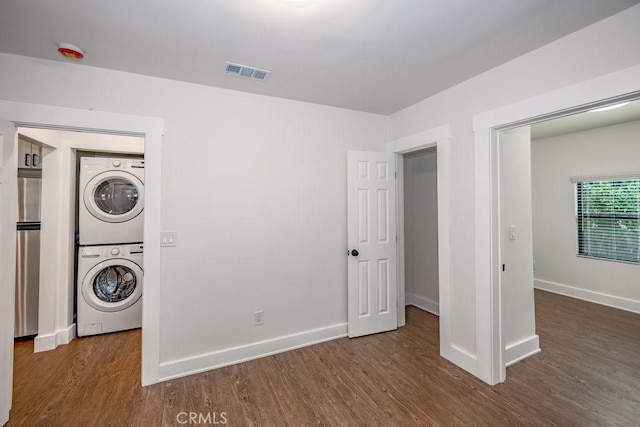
[247, 72]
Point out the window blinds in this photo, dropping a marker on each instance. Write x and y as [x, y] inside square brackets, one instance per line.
[608, 215]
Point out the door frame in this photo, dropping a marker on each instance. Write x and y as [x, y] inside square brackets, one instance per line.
[9, 202]
[151, 129]
[439, 137]
[529, 345]
[614, 87]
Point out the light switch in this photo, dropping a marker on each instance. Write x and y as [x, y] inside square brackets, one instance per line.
[512, 232]
[168, 238]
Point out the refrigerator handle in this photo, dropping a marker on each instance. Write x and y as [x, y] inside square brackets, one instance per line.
[26, 160]
[34, 160]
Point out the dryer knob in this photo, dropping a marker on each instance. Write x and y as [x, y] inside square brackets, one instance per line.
[116, 163]
[115, 251]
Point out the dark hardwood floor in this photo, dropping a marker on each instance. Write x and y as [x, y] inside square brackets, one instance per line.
[588, 373]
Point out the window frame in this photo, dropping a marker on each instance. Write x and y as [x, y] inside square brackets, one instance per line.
[581, 239]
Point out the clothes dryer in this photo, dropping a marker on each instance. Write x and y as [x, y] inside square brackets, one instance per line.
[111, 200]
[109, 289]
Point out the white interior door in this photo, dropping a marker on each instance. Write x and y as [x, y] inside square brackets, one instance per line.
[372, 250]
[8, 189]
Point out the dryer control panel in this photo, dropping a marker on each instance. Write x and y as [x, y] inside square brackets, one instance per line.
[105, 252]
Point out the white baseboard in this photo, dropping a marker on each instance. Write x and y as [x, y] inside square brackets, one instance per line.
[465, 360]
[513, 353]
[231, 356]
[51, 341]
[586, 295]
[454, 354]
[423, 303]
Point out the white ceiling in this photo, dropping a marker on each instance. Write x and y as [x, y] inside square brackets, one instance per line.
[370, 55]
[586, 120]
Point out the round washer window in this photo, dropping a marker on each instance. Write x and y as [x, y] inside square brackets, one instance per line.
[115, 283]
[116, 196]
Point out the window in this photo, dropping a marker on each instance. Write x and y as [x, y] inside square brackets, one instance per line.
[608, 215]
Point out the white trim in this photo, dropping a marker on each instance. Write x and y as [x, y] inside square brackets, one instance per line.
[402, 315]
[611, 177]
[587, 295]
[8, 204]
[615, 86]
[424, 304]
[44, 116]
[458, 356]
[230, 356]
[516, 352]
[440, 137]
[420, 140]
[51, 341]
[444, 247]
[562, 102]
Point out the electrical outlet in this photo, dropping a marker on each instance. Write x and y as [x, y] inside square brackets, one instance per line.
[258, 318]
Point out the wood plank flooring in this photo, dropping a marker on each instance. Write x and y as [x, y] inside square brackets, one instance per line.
[587, 374]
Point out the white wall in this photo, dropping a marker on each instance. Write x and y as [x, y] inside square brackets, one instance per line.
[421, 229]
[602, 48]
[603, 151]
[516, 245]
[55, 311]
[255, 188]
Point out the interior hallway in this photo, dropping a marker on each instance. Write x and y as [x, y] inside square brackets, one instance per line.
[587, 374]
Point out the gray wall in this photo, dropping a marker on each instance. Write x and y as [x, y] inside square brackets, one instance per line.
[421, 229]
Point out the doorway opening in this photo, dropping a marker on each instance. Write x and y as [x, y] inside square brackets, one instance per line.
[61, 306]
[613, 88]
[421, 229]
[376, 219]
[438, 139]
[59, 243]
[557, 236]
[151, 129]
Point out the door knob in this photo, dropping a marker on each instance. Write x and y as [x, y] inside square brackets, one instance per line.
[355, 252]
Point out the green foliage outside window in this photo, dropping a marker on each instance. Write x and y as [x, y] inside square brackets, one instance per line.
[608, 219]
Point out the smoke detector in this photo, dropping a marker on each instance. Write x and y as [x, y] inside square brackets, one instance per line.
[70, 51]
[246, 72]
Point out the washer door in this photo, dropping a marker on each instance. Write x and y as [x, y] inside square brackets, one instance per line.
[114, 196]
[113, 285]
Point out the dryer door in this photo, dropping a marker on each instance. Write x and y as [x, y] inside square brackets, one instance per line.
[113, 285]
[114, 196]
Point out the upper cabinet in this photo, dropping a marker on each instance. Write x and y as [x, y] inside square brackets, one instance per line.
[29, 154]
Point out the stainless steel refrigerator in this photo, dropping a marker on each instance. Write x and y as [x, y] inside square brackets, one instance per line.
[28, 252]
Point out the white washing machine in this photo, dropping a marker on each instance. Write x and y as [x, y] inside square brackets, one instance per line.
[111, 200]
[109, 288]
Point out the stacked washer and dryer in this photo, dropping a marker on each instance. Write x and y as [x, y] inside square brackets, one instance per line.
[110, 252]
